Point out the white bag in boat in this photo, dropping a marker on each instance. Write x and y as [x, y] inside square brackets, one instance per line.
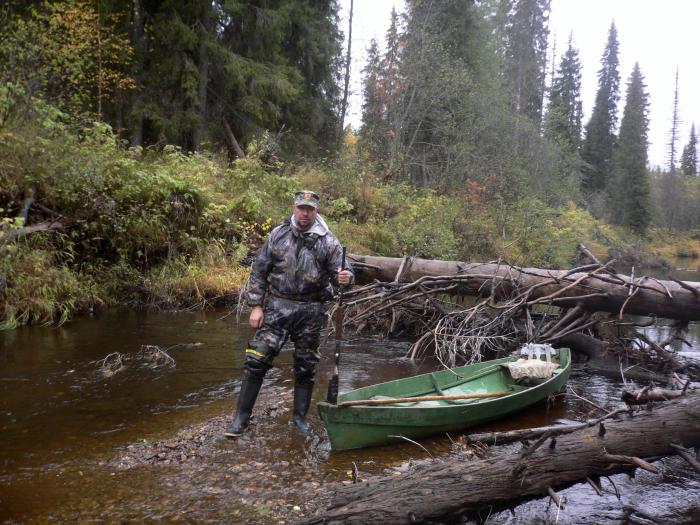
[533, 367]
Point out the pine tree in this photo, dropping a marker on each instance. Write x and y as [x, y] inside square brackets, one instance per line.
[439, 44]
[598, 145]
[689, 158]
[564, 113]
[673, 133]
[629, 192]
[526, 53]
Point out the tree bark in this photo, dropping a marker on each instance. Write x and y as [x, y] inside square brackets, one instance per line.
[458, 486]
[604, 292]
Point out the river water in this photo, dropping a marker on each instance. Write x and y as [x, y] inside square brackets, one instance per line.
[62, 421]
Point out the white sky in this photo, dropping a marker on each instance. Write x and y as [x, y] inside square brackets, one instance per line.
[659, 35]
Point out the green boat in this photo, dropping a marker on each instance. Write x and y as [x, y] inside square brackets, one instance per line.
[448, 400]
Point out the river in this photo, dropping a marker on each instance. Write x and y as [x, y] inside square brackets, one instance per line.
[63, 422]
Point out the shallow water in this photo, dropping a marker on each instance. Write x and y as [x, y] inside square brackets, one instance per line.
[61, 421]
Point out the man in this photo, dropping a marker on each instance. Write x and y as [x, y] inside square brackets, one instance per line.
[289, 283]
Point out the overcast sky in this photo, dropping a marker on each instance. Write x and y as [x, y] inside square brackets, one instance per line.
[659, 35]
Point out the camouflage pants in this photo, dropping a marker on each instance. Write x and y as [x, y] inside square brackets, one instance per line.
[283, 319]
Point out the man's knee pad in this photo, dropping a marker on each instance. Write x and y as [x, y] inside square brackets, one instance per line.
[305, 365]
[261, 351]
[255, 368]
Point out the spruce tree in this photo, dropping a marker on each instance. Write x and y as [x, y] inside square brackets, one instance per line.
[382, 85]
[527, 34]
[439, 44]
[258, 64]
[390, 77]
[563, 120]
[373, 116]
[391, 86]
[598, 145]
[689, 158]
[629, 192]
[673, 133]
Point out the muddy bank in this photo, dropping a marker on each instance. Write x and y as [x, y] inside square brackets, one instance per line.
[270, 475]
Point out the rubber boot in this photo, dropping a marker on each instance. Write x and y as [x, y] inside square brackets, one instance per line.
[246, 400]
[302, 400]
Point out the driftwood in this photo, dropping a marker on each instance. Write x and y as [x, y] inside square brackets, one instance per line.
[611, 365]
[592, 291]
[460, 486]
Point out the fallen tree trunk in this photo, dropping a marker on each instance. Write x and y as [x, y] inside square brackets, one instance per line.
[12, 235]
[605, 292]
[458, 486]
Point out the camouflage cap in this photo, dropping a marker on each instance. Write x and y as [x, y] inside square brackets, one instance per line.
[306, 198]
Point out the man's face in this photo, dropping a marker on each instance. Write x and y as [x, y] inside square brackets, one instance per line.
[305, 216]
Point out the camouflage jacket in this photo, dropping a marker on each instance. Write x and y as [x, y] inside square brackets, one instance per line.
[296, 265]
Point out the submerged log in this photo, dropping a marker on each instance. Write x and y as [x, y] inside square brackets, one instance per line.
[609, 365]
[648, 395]
[591, 291]
[459, 486]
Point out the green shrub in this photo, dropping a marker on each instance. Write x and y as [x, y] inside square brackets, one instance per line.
[39, 289]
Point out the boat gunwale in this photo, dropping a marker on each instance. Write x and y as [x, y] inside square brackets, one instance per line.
[416, 421]
[478, 402]
[500, 361]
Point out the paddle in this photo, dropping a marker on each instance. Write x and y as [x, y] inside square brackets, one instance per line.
[332, 394]
[391, 401]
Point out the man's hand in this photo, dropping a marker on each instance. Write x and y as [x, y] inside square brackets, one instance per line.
[256, 317]
[344, 277]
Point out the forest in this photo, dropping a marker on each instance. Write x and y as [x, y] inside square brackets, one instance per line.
[148, 146]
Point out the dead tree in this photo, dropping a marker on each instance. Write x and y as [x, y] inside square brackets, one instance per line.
[513, 305]
[592, 288]
[555, 459]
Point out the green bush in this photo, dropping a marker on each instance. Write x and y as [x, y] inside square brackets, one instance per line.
[38, 289]
[127, 213]
[166, 226]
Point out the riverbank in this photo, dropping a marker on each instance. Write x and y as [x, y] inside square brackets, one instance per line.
[87, 222]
